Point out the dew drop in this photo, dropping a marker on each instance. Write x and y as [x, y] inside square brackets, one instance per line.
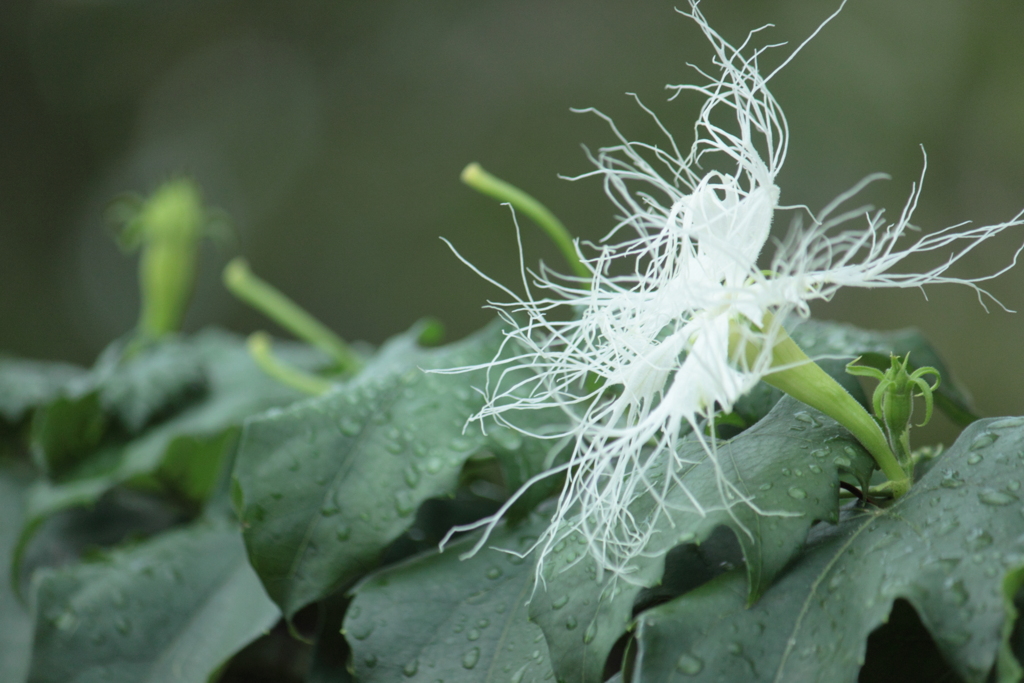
[66, 621]
[993, 497]
[493, 573]
[983, 441]
[820, 452]
[786, 471]
[411, 668]
[433, 465]
[461, 443]
[350, 426]
[404, 503]
[1007, 423]
[571, 623]
[362, 631]
[473, 634]
[343, 532]
[1013, 485]
[814, 468]
[974, 458]
[412, 476]
[765, 486]
[951, 480]
[471, 657]
[841, 461]
[560, 602]
[805, 418]
[329, 510]
[797, 492]
[979, 539]
[590, 633]
[689, 665]
[734, 648]
[370, 661]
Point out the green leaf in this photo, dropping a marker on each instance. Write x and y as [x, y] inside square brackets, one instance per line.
[947, 547]
[182, 454]
[436, 617]
[169, 610]
[129, 391]
[821, 338]
[25, 384]
[15, 618]
[325, 485]
[789, 463]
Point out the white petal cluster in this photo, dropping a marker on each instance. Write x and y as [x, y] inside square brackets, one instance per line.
[641, 355]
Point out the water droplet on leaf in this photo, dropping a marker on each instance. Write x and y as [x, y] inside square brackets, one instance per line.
[993, 497]
[471, 657]
[689, 665]
[983, 441]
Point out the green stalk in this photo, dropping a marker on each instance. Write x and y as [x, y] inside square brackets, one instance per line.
[267, 299]
[480, 180]
[804, 380]
[260, 348]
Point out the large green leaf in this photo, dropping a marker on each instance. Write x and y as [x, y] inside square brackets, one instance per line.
[172, 610]
[436, 617]
[183, 453]
[325, 485]
[789, 463]
[948, 547]
[15, 618]
[819, 338]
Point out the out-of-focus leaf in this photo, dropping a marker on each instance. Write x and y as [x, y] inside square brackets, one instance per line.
[947, 547]
[15, 618]
[25, 384]
[181, 454]
[170, 610]
[325, 485]
[130, 391]
[788, 464]
[436, 617]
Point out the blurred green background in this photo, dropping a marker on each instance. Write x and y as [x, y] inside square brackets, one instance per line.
[334, 133]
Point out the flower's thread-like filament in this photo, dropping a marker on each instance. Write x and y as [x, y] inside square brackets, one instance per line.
[674, 278]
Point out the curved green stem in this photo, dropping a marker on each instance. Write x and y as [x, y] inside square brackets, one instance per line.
[480, 180]
[259, 345]
[271, 302]
[804, 380]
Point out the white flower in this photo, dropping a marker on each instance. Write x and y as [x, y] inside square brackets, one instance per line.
[657, 343]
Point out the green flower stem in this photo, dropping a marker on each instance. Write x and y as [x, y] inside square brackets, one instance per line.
[480, 180]
[260, 349]
[285, 312]
[804, 380]
[170, 225]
